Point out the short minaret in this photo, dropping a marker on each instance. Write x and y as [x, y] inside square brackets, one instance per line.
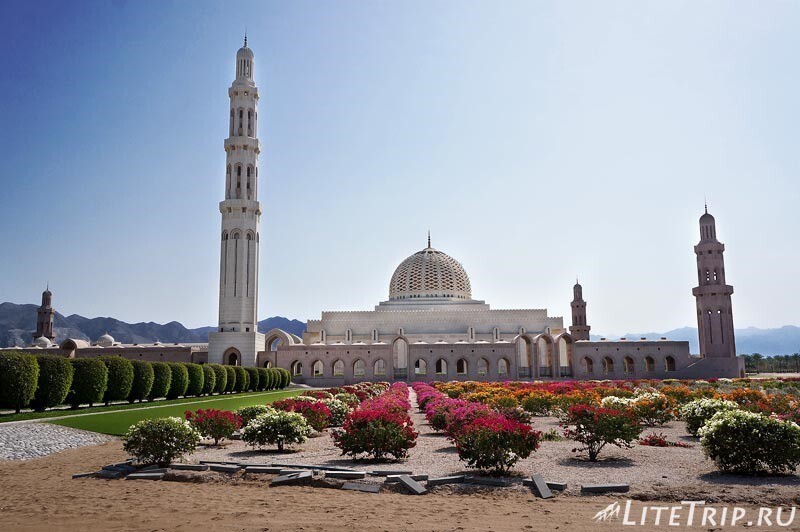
[714, 311]
[579, 329]
[237, 340]
[44, 317]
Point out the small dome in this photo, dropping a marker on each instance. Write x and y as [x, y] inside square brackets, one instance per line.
[706, 219]
[42, 342]
[430, 273]
[105, 340]
[244, 53]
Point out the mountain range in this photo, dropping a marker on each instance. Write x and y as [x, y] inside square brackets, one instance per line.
[17, 322]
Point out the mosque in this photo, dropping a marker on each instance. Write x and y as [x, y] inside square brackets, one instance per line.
[430, 327]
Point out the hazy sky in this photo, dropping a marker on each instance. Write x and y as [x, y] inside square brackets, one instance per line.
[537, 140]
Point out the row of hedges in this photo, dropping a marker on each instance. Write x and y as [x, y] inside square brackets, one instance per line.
[44, 381]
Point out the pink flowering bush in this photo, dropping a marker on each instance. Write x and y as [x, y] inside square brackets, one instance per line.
[316, 412]
[463, 414]
[379, 427]
[214, 424]
[495, 443]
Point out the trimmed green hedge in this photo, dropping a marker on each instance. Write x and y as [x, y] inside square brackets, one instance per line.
[162, 380]
[180, 380]
[143, 377]
[88, 382]
[242, 379]
[196, 379]
[231, 384]
[19, 374]
[254, 379]
[222, 377]
[55, 381]
[274, 379]
[286, 378]
[209, 379]
[263, 379]
[120, 378]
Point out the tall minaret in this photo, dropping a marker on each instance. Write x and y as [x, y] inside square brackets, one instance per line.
[44, 317]
[714, 311]
[237, 340]
[579, 329]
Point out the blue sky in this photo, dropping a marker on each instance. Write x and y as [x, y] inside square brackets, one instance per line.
[537, 141]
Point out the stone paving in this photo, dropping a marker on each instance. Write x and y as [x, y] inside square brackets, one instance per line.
[23, 441]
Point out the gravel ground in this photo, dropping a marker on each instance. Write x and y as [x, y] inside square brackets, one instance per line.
[23, 441]
[657, 473]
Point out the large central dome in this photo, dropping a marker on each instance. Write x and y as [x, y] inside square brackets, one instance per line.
[430, 273]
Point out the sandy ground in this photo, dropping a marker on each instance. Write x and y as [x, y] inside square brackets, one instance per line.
[40, 495]
[654, 473]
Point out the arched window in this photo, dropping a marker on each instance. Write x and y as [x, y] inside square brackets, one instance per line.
[627, 365]
[230, 132]
[323, 337]
[297, 368]
[608, 366]
[374, 335]
[502, 367]
[461, 366]
[338, 368]
[348, 335]
[441, 367]
[268, 364]
[359, 368]
[588, 366]
[380, 367]
[649, 364]
[241, 119]
[496, 334]
[249, 122]
[317, 368]
[274, 343]
[669, 364]
[483, 366]
[233, 359]
[420, 367]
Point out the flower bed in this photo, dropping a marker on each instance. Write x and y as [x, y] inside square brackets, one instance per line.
[379, 427]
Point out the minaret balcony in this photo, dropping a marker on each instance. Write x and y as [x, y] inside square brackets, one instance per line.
[713, 289]
[242, 143]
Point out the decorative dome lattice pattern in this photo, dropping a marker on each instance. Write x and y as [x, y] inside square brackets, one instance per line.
[430, 273]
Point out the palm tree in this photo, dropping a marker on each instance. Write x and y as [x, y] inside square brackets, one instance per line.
[757, 358]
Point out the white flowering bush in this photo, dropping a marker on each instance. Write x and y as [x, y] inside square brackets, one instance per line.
[350, 399]
[696, 413]
[276, 427]
[249, 413]
[650, 407]
[619, 403]
[748, 443]
[161, 440]
[338, 410]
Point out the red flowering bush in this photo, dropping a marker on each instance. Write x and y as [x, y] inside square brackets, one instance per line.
[379, 427]
[464, 414]
[437, 409]
[214, 424]
[659, 440]
[595, 427]
[316, 412]
[495, 443]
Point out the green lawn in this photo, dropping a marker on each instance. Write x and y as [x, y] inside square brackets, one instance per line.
[116, 422]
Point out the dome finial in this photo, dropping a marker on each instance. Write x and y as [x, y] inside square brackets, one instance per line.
[429, 238]
[245, 37]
